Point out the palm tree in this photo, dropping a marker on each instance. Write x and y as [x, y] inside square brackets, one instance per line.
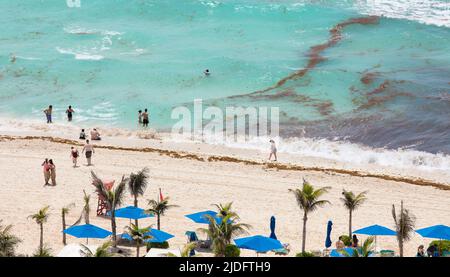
[40, 218]
[308, 201]
[64, 211]
[137, 184]
[159, 208]
[185, 251]
[86, 209]
[404, 225]
[221, 233]
[138, 235]
[43, 251]
[352, 202]
[113, 199]
[365, 250]
[8, 241]
[101, 251]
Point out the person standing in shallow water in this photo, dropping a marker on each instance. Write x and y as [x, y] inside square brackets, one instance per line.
[273, 150]
[69, 113]
[89, 150]
[145, 120]
[48, 113]
[140, 117]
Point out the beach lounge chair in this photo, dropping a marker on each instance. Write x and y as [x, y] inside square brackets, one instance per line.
[387, 253]
[283, 251]
[192, 237]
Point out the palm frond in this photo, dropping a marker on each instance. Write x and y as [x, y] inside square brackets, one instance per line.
[137, 183]
[8, 241]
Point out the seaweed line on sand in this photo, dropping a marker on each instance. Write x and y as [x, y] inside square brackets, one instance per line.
[216, 158]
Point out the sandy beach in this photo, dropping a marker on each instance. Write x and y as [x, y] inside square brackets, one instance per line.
[196, 175]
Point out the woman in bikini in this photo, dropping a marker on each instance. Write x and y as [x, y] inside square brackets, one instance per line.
[52, 171]
[74, 154]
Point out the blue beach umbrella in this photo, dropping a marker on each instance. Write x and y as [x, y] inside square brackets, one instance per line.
[87, 231]
[435, 232]
[375, 230]
[258, 243]
[272, 228]
[130, 212]
[157, 236]
[201, 217]
[328, 239]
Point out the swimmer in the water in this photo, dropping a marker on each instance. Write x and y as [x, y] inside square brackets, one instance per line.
[13, 58]
[207, 73]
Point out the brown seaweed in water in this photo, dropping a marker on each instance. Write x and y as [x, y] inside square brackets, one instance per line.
[315, 51]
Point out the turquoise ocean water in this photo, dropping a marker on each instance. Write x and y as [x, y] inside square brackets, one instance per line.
[385, 84]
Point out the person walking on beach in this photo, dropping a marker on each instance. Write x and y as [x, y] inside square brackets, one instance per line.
[140, 117]
[69, 113]
[52, 168]
[145, 120]
[74, 154]
[46, 169]
[89, 149]
[48, 114]
[273, 150]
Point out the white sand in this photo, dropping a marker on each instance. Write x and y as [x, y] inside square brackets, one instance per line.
[256, 191]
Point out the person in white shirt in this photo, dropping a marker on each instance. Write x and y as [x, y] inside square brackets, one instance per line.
[273, 150]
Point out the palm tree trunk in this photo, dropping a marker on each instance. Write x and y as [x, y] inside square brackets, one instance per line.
[400, 241]
[305, 218]
[158, 218]
[64, 227]
[86, 215]
[113, 228]
[400, 245]
[41, 240]
[137, 248]
[136, 205]
[350, 224]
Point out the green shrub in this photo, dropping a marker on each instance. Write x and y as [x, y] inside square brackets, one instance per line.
[44, 252]
[346, 240]
[304, 255]
[441, 245]
[162, 245]
[232, 250]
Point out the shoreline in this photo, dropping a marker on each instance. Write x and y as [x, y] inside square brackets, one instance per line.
[204, 157]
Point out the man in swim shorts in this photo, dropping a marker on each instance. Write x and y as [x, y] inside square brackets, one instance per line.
[48, 114]
[89, 150]
[145, 120]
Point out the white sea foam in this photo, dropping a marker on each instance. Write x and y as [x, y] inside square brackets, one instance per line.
[433, 12]
[80, 55]
[340, 151]
[85, 31]
[345, 152]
